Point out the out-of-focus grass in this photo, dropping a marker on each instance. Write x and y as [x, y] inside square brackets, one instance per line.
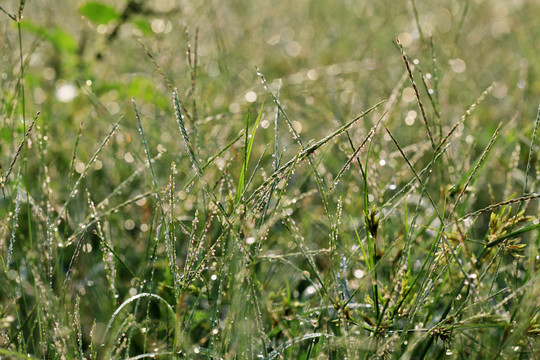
[134, 225]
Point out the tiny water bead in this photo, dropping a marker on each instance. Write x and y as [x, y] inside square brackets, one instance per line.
[251, 96]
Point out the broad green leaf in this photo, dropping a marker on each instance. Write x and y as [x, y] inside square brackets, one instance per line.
[98, 13]
[143, 25]
[60, 38]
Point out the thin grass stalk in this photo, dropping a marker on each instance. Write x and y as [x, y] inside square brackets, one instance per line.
[531, 149]
[211, 160]
[71, 171]
[187, 143]
[15, 222]
[277, 160]
[148, 157]
[296, 137]
[19, 149]
[415, 173]
[74, 190]
[477, 165]
[304, 153]
[531, 196]
[420, 105]
[347, 164]
[110, 268]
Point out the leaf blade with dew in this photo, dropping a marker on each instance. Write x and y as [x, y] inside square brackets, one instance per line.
[249, 148]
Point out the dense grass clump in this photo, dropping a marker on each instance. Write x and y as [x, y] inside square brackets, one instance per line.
[269, 180]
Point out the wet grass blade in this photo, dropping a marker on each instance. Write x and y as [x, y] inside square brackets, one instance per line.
[248, 149]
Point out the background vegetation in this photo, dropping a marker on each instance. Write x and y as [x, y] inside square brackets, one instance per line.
[268, 179]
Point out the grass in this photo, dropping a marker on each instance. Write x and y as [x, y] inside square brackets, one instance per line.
[254, 180]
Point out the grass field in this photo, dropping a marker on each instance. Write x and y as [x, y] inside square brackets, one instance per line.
[270, 179]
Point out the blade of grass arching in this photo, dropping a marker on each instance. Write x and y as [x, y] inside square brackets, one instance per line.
[248, 148]
[356, 152]
[74, 190]
[415, 88]
[279, 352]
[158, 298]
[477, 166]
